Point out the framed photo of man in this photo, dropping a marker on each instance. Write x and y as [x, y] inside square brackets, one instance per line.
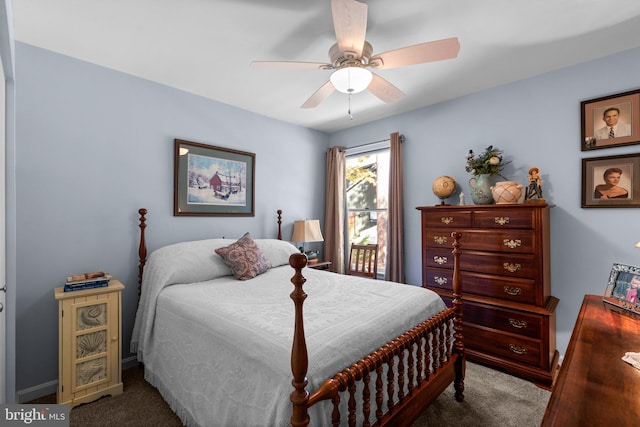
[611, 182]
[610, 121]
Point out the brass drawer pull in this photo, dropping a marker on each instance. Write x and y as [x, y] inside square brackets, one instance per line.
[440, 280]
[520, 324]
[502, 220]
[511, 268]
[517, 349]
[440, 259]
[512, 243]
[440, 239]
[511, 290]
[447, 219]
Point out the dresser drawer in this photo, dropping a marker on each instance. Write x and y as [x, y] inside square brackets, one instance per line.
[508, 218]
[446, 218]
[515, 290]
[517, 241]
[442, 258]
[502, 344]
[508, 265]
[513, 321]
[438, 278]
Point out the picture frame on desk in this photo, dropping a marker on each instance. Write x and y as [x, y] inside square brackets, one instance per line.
[601, 174]
[621, 110]
[212, 181]
[623, 288]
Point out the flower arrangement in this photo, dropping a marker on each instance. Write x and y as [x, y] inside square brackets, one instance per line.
[489, 162]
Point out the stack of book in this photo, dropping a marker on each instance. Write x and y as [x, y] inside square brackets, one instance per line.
[95, 279]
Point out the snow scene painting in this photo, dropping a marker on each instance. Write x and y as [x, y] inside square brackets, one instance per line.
[214, 181]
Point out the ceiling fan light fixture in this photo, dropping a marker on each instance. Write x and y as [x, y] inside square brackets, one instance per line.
[351, 79]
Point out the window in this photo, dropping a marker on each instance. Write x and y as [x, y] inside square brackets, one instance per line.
[367, 188]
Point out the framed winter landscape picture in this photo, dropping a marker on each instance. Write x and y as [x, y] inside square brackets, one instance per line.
[212, 181]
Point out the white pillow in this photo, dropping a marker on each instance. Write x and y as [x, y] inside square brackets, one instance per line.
[189, 262]
[277, 251]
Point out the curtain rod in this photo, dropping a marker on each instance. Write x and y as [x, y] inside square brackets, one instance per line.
[371, 143]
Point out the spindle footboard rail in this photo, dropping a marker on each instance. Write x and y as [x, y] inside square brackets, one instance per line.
[409, 372]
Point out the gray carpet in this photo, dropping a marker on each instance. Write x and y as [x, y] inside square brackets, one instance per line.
[492, 398]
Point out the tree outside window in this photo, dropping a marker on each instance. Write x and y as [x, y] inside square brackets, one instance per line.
[367, 188]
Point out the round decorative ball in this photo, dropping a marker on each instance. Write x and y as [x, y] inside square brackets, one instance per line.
[443, 187]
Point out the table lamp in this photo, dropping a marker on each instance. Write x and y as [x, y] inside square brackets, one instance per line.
[307, 231]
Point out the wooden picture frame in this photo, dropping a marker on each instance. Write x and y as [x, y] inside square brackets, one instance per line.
[599, 192]
[622, 110]
[623, 288]
[212, 181]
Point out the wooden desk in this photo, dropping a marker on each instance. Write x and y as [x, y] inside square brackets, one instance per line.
[595, 386]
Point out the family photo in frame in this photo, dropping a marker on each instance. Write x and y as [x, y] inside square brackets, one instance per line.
[610, 121]
[623, 288]
[212, 181]
[612, 181]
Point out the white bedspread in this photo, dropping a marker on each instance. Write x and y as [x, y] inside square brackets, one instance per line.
[219, 350]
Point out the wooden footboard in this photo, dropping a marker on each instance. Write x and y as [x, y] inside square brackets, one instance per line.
[410, 372]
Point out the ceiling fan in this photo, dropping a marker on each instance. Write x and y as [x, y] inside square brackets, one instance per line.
[352, 55]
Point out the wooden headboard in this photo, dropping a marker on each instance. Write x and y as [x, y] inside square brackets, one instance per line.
[142, 248]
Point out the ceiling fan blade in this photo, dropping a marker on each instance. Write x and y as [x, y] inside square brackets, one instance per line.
[350, 24]
[417, 54]
[291, 65]
[384, 90]
[319, 95]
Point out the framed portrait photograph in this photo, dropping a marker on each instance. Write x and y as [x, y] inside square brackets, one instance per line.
[623, 288]
[610, 121]
[611, 182]
[210, 181]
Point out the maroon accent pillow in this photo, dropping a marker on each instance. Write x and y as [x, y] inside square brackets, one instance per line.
[245, 258]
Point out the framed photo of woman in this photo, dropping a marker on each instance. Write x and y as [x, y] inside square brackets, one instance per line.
[611, 182]
[610, 121]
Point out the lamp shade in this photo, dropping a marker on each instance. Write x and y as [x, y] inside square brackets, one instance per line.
[351, 79]
[307, 231]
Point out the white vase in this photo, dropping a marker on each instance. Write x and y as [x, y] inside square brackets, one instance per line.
[506, 192]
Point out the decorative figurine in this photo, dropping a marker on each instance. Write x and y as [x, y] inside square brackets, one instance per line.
[533, 193]
[461, 198]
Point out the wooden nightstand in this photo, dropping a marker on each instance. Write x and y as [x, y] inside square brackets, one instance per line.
[90, 343]
[324, 265]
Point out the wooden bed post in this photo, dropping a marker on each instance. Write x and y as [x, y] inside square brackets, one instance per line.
[299, 358]
[458, 343]
[279, 224]
[142, 249]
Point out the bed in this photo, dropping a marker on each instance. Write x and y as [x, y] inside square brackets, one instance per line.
[231, 352]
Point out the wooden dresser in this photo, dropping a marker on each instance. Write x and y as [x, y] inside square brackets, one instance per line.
[595, 386]
[509, 313]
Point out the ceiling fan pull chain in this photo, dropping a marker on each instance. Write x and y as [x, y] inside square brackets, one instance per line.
[349, 111]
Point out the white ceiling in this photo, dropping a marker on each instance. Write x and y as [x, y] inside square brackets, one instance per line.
[206, 46]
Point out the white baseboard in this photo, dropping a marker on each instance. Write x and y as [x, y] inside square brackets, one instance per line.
[35, 392]
[51, 387]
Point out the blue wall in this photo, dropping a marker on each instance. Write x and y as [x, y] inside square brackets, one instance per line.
[536, 122]
[93, 146]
